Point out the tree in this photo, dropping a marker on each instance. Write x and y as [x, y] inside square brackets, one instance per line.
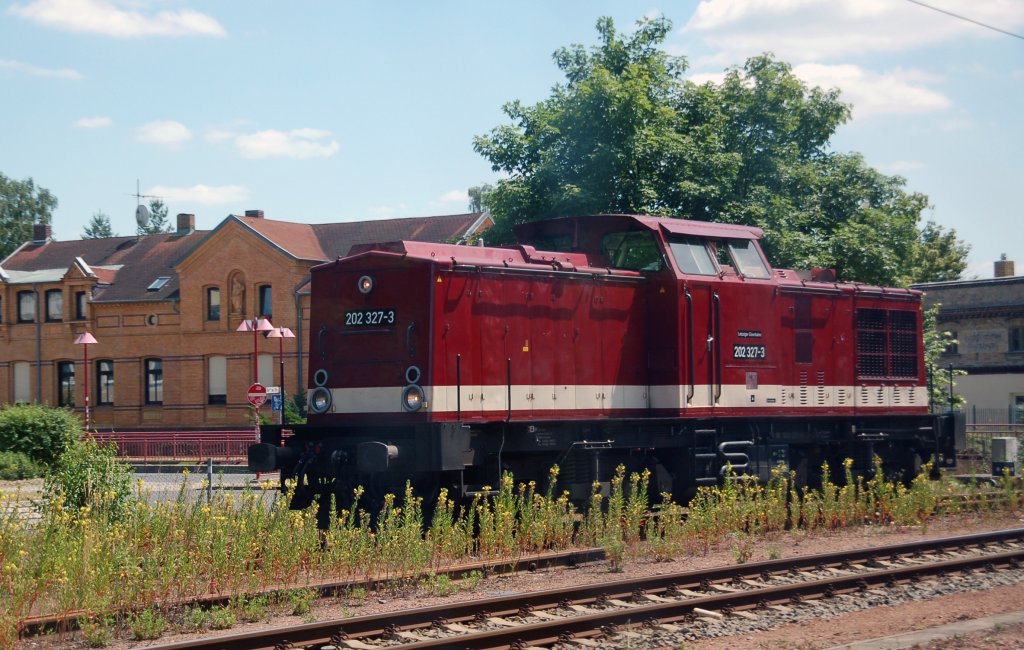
[22, 204]
[941, 378]
[99, 227]
[157, 222]
[627, 133]
[938, 256]
[478, 196]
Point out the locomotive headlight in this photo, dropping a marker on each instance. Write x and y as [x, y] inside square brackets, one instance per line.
[365, 284]
[412, 398]
[319, 400]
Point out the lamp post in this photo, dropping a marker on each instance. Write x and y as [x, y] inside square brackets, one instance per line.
[950, 370]
[281, 333]
[256, 325]
[84, 339]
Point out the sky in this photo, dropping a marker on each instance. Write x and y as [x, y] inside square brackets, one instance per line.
[322, 112]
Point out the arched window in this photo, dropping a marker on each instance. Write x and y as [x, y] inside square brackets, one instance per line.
[65, 383]
[81, 305]
[266, 365]
[26, 306]
[217, 378]
[266, 300]
[105, 382]
[54, 305]
[22, 382]
[154, 381]
[213, 303]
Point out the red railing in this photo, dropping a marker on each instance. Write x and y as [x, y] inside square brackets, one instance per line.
[173, 446]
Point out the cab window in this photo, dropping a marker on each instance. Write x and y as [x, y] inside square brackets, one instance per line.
[634, 250]
[746, 259]
[692, 256]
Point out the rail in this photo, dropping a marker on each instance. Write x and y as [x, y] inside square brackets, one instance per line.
[598, 610]
[174, 446]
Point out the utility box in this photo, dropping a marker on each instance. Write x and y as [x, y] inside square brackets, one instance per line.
[1004, 456]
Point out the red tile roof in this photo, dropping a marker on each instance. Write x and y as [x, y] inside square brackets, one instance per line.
[296, 239]
[133, 263]
[145, 258]
[337, 238]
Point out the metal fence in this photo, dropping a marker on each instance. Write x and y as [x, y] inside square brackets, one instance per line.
[977, 458]
[1011, 414]
[180, 446]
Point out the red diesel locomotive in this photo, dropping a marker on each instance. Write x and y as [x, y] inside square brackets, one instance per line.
[664, 344]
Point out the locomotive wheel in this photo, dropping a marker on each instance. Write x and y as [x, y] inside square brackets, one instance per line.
[910, 465]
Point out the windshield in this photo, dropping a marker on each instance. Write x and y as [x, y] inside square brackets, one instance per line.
[635, 250]
[747, 260]
[692, 256]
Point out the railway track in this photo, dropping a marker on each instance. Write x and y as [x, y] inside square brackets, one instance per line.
[578, 615]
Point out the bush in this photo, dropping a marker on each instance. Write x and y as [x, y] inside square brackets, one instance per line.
[41, 432]
[295, 409]
[147, 625]
[89, 478]
[16, 465]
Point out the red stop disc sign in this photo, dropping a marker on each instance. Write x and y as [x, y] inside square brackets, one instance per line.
[257, 394]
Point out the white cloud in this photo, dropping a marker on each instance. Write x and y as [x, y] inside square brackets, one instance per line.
[455, 196]
[805, 30]
[204, 194]
[116, 18]
[36, 71]
[167, 133]
[896, 91]
[93, 122]
[297, 143]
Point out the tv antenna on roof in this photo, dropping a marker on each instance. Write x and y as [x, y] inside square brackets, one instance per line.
[141, 211]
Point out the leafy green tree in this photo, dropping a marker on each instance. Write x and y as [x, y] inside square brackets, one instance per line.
[938, 256]
[478, 197]
[941, 377]
[295, 409]
[22, 204]
[625, 132]
[157, 223]
[99, 227]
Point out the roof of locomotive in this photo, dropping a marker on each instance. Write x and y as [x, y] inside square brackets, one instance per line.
[580, 235]
[534, 230]
[583, 257]
[522, 256]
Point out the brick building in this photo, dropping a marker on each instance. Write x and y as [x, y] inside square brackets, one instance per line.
[986, 317]
[164, 310]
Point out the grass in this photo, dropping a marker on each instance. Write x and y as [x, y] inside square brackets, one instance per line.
[131, 573]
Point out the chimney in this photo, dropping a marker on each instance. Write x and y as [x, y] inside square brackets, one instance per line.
[1004, 267]
[255, 214]
[41, 233]
[186, 223]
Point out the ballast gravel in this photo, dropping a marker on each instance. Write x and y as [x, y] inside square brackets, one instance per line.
[741, 629]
